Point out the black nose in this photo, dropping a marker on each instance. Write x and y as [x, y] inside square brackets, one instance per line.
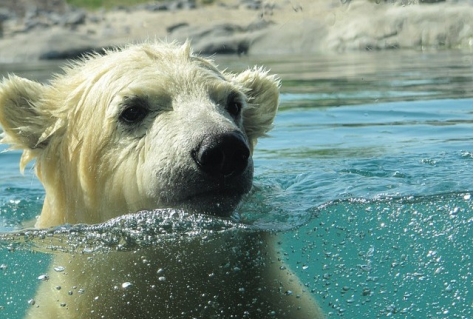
[222, 155]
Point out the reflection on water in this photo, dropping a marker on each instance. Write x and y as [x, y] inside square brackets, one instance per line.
[369, 77]
[367, 176]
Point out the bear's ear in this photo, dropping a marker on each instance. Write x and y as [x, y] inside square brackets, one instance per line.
[263, 92]
[22, 122]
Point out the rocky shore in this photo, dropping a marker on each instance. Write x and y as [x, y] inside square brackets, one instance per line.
[50, 29]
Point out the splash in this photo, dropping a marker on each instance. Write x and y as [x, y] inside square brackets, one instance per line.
[123, 233]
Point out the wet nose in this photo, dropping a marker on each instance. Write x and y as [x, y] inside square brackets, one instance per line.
[222, 155]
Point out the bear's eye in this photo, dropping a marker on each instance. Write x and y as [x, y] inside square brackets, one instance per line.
[134, 112]
[234, 105]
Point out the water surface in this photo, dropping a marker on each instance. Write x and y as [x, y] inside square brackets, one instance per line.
[367, 174]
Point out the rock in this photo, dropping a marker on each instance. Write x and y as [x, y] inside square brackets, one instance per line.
[154, 7]
[235, 45]
[175, 27]
[74, 18]
[168, 6]
[53, 43]
[5, 14]
[415, 27]
[34, 24]
[259, 25]
[278, 27]
[300, 37]
[21, 8]
[94, 18]
[225, 38]
[363, 26]
[183, 4]
[74, 53]
[251, 4]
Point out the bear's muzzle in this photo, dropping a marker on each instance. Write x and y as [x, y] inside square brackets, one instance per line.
[223, 155]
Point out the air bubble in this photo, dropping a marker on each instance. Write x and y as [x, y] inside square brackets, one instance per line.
[439, 270]
[162, 278]
[366, 292]
[126, 285]
[391, 309]
[59, 269]
[455, 211]
[43, 277]
[365, 267]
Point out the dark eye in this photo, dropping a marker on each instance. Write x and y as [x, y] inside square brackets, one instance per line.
[135, 109]
[133, 114]
[234, 105]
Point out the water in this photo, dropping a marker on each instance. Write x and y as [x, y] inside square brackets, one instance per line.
[367, 175]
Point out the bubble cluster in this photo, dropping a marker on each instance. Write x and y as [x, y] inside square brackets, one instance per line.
[418, 266]
[124, 233]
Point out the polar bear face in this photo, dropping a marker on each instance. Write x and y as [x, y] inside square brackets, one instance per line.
[148, 126]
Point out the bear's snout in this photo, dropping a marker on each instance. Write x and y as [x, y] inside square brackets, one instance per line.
[222, 155]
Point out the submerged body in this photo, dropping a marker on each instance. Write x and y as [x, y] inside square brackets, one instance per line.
[231, 275]
[145, 127]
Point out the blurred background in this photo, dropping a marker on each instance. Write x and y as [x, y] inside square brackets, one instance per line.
[57, 29]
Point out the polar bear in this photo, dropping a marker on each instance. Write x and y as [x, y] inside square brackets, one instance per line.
[149, 126]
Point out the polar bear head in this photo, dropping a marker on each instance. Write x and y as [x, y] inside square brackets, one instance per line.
[143, 127]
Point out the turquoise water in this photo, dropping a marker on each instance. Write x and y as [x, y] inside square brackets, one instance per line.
[367, 174]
